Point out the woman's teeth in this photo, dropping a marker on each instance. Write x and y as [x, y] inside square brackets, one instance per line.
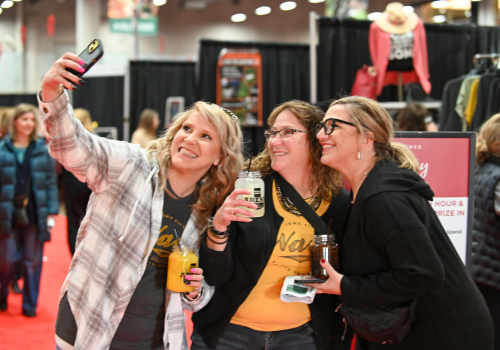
[188, 153]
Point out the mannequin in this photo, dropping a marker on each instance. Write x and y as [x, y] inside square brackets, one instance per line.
[398, 49]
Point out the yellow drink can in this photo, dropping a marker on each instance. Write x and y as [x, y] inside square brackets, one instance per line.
[180, 264]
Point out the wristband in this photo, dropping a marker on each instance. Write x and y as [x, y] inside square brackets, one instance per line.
[211, 240]
[215, 233]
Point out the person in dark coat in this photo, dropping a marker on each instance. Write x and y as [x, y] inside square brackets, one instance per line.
[486, 233]
[249, 266]
[395, 249]
[26, 170]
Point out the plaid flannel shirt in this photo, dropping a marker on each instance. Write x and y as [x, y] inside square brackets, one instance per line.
[119, 230]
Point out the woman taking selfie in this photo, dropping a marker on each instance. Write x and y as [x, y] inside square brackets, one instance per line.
[395, 249]
[29, 201]
[115, 296]
[248, 259]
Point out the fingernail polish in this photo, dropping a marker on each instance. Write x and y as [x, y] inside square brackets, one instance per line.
[75, 88]
[81, 82]
[80, 62]
[187, 282]
[323, 261]
[188, 277]
[192, 271]
[81, 69]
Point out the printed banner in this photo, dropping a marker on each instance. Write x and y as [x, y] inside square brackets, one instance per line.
[121, 14]
[239, 84]
[445, 166]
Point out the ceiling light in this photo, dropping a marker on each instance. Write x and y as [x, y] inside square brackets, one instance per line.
[17, 0]
[374, 15]
[439, 19]
[7, 3]
[288, 5]
[159, 2]
[239, 17]
[263, 10]
[316, 1]
[408, 9]
[439, 4]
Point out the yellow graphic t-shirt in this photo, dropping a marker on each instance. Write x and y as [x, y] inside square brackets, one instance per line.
[263, 310]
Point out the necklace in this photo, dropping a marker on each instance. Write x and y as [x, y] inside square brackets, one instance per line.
[313, 201]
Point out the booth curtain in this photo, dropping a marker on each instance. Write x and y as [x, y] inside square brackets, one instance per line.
[343, 49]
[285, 76]
[103, 98]
[14, 100]
[152, 82]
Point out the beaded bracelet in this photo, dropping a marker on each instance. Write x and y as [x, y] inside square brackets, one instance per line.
[215, 233]
[211, 240]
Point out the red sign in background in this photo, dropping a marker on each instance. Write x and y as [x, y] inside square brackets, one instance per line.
[444, 163]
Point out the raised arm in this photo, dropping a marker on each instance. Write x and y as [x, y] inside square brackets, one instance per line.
[97, 161]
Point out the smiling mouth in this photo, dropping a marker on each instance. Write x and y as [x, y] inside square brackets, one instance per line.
[187, 153]
[280, 153]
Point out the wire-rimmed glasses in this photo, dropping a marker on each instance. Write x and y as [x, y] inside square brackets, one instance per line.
[285, 133]
[328, 125]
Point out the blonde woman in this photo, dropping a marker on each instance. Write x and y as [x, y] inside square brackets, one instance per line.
[395, 249]
[115, 296]
[27, 184]
[485, 249]
[148, 124]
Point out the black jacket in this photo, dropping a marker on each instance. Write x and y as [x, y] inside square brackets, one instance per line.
[236, 270]
[486, 233]
[395, 249]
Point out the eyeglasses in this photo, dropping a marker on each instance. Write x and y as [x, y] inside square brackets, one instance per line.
[285, 134]
[328, 125]
[227, 111]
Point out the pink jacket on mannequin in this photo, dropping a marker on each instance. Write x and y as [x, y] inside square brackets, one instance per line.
[380, 46]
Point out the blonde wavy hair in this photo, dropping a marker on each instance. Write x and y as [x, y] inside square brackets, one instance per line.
[18, 111]
[218, 182]
[83, 115]
[326, 180]
[369, 117]
[488, 140]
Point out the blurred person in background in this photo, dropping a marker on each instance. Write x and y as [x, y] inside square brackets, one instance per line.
[148, 125]
[27, 184]
[5, 116]
[486, 233]
[76, 193]
[414, 117]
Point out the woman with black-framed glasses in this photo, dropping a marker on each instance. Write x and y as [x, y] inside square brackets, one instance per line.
[248, 259]
[394, 248]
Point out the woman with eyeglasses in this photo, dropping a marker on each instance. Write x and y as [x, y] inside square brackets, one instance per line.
[115, 294]
[248, 259]
[395, 249]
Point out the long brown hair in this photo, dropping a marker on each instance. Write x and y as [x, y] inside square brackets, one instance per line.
[368, 116]
[218, 182]
[146, 121]
[488, 140]
[326, 180]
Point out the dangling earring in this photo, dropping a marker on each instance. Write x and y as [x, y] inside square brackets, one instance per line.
[360, 155]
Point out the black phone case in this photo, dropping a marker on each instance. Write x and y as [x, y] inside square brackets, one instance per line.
[89, 56]
[310, 281]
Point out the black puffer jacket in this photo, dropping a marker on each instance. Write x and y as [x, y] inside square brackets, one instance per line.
[486, 233]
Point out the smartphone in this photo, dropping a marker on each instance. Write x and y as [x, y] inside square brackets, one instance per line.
[311, 280]
[89, 56]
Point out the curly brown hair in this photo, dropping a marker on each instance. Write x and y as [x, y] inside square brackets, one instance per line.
[326, 180]
[218, 181]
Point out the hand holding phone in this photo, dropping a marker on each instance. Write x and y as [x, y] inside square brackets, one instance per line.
[89, 56]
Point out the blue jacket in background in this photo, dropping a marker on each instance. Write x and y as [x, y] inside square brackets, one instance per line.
[43, 185]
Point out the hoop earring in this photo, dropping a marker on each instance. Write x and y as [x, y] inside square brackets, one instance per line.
[360, 155]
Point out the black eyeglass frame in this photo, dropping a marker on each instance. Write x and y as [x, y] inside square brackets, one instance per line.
[323, 125]
[227, 111]
[272, 133]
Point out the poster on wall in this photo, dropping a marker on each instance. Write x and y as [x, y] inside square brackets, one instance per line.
[447, 162]
[121, 14]
[239, 84]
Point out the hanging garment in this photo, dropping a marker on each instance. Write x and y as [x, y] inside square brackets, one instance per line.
[380, 47]
[471, 104]
[463, 98]
[449, 119]
[482, 100]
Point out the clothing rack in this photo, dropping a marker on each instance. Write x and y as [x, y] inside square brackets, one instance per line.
[483, 56]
